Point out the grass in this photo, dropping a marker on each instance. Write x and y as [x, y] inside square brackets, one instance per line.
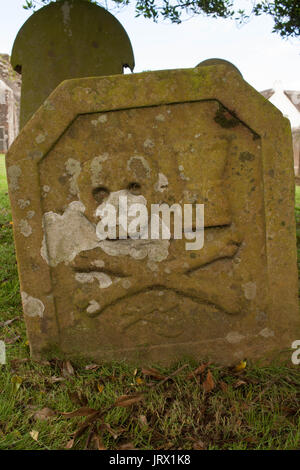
[220, 408]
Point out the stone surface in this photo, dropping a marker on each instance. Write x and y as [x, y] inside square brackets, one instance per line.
[64, 40]
[8, 117]
[217, 61]
[10, 113]
[198, 135]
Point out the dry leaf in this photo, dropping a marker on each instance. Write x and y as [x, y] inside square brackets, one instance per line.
[70, 444]
[96, 439]
[209, 383]
[83, 411]
[44, 414]
[197, 371]
[12, 340]
[54, 379]
[224, 386]
[239, 383]
[78, 398]
[128, 400]
[78, 433]
[127, 446]
[199, 445]
[34, 434]
[9, 322]
[67, 369]
[139, 381]
[143, 420]
[16, 362]
[100, 387]
[114, 434]
[92, 367]
[153, 373]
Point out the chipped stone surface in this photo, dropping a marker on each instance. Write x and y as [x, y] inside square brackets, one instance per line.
[152, 300]
[103, 279]
[93, 306]
[249, 290]
[14, 172]
[234, 337]
[100, 120]
[64, 240]
[162, 183]
[40, 138]
[25, 228]
[73, 169]
[32, 307]
[22, 203]
[266, 333]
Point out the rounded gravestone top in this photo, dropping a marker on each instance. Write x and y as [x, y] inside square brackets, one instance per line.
[217, 61]
[64, 40]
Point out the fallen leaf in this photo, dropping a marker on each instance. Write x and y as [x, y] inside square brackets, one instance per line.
[128, 400]
[78, 398]
[92, 367]
[34, 434]
[54, 379]
[208, 384]
[83, 411]
[153, 373]
[100, 387]
[139, 381]
[16, 362]
[224, 386]
[114, 434]
[77, 434]
[43, 363]
[8, 322]
[239, 383]
[67, 369]
[96, 439]
[70, 444]
[250, 439]
[199, 445]
[12, 340]
[143, 420]
[198, 371]
[127, 446]
[44, 414]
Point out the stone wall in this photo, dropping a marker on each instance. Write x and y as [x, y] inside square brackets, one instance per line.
[296, 148]
[10, 92]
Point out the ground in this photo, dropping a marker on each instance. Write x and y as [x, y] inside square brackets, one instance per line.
[202, 406]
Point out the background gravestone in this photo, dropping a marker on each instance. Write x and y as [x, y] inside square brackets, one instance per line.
[63, 40]
[198, 135]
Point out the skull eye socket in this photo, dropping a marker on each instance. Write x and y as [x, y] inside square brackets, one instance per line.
[99, 194]
[134, 188]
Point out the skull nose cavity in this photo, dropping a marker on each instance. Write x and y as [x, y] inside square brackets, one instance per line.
[100, 194]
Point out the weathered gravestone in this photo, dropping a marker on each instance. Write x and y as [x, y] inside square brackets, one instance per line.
[189, 136]
[64, 40]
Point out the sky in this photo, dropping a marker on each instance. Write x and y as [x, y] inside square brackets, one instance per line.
[261, 56]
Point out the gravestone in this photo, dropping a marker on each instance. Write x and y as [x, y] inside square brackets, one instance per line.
[64, 40]
[8, 117]
[193, 136]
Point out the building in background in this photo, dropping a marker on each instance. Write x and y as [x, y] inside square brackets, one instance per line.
[10, 92]
[288, 102]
